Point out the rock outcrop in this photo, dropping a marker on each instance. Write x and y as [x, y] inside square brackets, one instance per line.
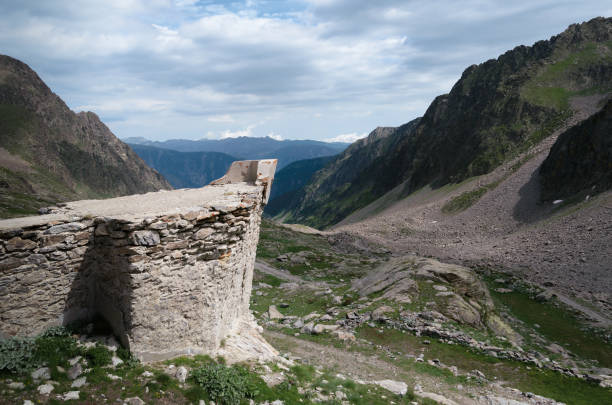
[170, 271]
[580, 159]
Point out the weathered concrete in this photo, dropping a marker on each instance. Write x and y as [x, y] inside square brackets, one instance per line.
[171, 271]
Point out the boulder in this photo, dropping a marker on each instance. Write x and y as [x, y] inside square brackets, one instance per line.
[396, 387]
[456, 308]
[321, 328]
[274, 313]
[380, 313]
[344, 335]
[395, 278]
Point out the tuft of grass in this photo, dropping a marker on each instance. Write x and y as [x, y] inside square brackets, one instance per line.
[98, 356]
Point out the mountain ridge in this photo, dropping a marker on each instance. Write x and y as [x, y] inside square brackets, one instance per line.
[496, 110]
[251, 148]
[63, 155]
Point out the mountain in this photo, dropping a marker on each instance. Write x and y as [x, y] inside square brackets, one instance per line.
[494, 112]
[286, 151]
[581, 159]
[185, 169]
[51, 154]
[289, 181]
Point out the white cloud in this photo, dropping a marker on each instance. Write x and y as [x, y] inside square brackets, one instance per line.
[181, 68]
[274, 136]
[347, 138]
[248, 131]
[225, 118]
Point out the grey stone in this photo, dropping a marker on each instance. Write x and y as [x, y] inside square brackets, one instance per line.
[70, 395]
[158, 226]
[16, 385]
[45, 389]
[181, 374]
[204, 233]
[274, 313]
[134, 401]
[79, 382]
[69, 227]
[145, 238]
[396, 387]
[75, 371]
[116, 361]
[42, 373]
[16, 243]
[380, 313]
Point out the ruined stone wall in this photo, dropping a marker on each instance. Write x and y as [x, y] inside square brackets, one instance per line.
[170, 281]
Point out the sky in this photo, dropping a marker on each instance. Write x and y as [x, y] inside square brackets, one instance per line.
[329, 70]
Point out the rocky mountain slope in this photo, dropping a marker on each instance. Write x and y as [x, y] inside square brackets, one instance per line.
[497, 110]
[251, 148]
[336, 177]
[50, 154]
[289, 181]
[185, 169]
[581, 159]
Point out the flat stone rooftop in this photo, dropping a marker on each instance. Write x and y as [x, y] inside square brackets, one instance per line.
[139, 206]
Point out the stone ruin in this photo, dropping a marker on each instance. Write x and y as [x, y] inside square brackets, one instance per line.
[170, 271]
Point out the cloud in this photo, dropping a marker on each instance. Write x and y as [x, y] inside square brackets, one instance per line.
[225, 118]
[347, 138]
[181, 68]
[248, 131]
[274, 136]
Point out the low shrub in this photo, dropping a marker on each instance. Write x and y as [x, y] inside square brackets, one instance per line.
[225, 385]
[98, 356]
[129, 360]
[17, 355]
[56, 331]
[54, 350]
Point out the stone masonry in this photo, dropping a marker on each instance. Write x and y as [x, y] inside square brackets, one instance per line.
[170, 271]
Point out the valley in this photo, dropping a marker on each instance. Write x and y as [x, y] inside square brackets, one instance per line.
[463, 257]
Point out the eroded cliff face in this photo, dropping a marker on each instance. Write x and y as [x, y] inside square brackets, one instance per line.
[170, 271]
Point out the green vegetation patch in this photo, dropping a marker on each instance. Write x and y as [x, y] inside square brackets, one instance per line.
[557, 324]
[224, 385]
[557, 82]
[465, 200]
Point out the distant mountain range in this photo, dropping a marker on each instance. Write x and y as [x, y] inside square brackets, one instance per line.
[496, 110]
[185, 169]
[250, 148]
[50, 154]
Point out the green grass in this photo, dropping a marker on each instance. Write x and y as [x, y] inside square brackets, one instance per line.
[558, 325]
[464, 200]
[518, 375]
[550, 87]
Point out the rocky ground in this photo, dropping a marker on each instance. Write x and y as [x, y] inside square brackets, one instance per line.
[564, 245]
[466, 337]
[354, 324]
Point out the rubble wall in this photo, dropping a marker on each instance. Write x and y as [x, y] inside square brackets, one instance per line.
[175, 281]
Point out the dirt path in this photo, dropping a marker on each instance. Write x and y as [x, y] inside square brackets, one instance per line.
[282, 274]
